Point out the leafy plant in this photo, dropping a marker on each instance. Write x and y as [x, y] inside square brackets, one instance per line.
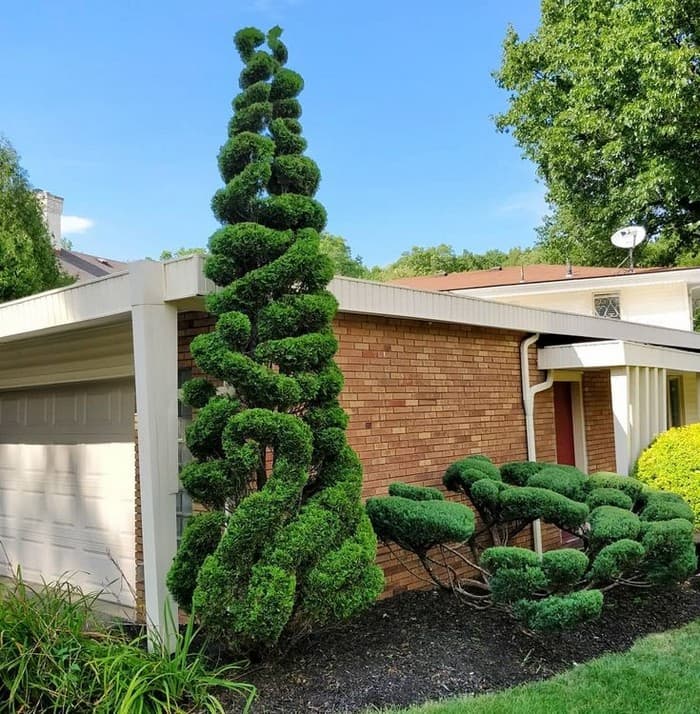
[672, 463]
[59, 655]
[290, 545]
[634, 535]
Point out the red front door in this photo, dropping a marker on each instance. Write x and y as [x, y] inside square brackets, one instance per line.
[564, 424]
[564, 433]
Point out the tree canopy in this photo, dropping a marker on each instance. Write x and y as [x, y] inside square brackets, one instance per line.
[605, 100]
[28, 262]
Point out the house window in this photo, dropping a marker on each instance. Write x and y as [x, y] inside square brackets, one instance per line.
[607, 306]
[675, 401]
[183, 502]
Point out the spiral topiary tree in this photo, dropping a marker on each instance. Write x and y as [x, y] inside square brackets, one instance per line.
[285, 543]
[629, 534]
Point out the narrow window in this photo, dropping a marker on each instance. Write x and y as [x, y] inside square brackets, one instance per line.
[607, 306]
[183, 502]
[675, 401]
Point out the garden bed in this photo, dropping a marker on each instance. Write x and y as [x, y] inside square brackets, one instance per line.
[422, 646]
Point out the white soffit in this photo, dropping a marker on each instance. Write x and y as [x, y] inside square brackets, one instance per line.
[615, 353]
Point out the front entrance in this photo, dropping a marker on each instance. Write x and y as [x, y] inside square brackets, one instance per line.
[564, 424]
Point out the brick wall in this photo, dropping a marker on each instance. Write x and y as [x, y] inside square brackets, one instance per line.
[421, 395]
[598, 418]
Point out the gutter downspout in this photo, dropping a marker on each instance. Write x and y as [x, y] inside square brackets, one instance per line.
[529, 393]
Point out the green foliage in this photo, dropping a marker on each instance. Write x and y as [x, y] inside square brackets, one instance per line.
[609, 523]
[560, 612]
[617, 560]
[603, 479]
[664, 506]
[669, 550]
[518, 473]
[515, 573]
[569, 482]
[416, 493]
[297, 549]
[199, 540]
[419, 525]
[461, 475]
[28, 262]
[59, 655]
[340, 254]
[611, 127]
[608, 497]
[508, 557]
[672, 463]
[529, 503]
[564, 568]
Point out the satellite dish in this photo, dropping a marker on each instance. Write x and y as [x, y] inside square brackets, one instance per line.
[629, 238]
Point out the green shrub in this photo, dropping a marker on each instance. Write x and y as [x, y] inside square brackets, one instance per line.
[559, 612]
[609, 523]
[515, 573]
[604, 479]
[672, 463]
[419, 525]
[528, 503]
[608, 497]
[564, 568]
[669, 550]
[503, 556]
[517, 473]
[415, 493]
[617, 560]
[59, 655]
[511, 584]
[297, 548]
[461, 475]
[664, 506]
[569, 482]
[485, 495]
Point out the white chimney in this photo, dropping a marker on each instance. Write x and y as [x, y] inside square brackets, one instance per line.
[52, 206]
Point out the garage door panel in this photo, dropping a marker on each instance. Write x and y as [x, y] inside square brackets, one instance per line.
[67, 485]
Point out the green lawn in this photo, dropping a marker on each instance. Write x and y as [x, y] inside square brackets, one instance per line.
[660, 674]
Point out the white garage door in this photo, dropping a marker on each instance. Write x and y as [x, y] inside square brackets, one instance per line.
[67, 485]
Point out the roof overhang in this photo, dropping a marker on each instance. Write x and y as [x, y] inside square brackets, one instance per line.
[689, 276]
[182, 283]
[616, 353]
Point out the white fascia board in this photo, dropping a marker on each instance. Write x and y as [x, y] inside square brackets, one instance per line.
[615, 353]
[371, 298]
[185, 279]
[100, 300]
[690, 276]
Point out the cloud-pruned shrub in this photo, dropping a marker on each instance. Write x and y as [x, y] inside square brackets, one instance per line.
[629, 535]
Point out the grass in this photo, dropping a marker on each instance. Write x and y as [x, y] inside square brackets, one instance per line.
[57, 655]
[660, 674]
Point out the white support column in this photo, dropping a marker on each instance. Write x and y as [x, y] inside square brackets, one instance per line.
[620, 391]
[155, 363]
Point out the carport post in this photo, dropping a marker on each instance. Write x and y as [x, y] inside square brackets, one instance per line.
[155, 365]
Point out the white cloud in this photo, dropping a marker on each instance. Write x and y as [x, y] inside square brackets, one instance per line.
[71, 225]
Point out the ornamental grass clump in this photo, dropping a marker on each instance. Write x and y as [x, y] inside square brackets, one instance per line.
[286, 543]
[58, 654]
[630, 535]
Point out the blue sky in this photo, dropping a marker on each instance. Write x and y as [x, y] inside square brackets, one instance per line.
[121, 107]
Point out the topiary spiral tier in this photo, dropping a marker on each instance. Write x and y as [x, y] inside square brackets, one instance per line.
[286, 543]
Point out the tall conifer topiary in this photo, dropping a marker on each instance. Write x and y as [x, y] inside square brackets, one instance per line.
[286, 543]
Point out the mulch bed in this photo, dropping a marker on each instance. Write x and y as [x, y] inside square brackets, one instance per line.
[422, 646]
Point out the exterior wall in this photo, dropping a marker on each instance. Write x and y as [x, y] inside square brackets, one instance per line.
[690, 398]
[666, 305]
[598, 420]
[420, 396]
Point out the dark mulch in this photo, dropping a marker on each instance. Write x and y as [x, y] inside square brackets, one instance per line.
[427, 645]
